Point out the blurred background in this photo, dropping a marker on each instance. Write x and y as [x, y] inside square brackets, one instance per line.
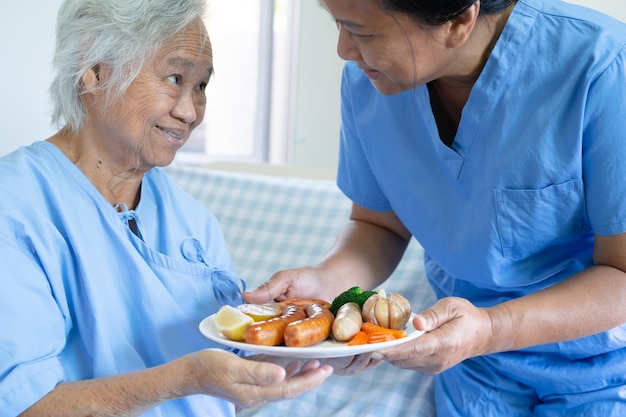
[274, 98]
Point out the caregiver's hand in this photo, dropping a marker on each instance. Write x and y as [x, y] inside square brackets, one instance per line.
[456, 330]
[305, 282]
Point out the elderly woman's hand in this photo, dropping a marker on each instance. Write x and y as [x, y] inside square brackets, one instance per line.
[250, 383]
[352, 365]
[456, 330]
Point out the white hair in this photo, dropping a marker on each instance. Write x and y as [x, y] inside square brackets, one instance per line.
[120, 35]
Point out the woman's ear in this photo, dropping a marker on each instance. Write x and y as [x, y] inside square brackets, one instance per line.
[91, 78]
[461, 26]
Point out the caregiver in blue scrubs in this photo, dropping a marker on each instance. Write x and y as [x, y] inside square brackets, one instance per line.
[106, 266]
[494, 133]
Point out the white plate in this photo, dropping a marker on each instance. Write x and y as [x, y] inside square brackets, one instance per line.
[326, 349]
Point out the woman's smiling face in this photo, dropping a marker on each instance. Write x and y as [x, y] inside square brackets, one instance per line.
[394, 51]
[154, 118]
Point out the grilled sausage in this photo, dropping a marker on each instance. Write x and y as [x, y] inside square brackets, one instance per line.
[313, 329]
[271, 332]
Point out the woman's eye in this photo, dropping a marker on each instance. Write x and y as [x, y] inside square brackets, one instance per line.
[202, 86]
[360, 35]
[176, 79]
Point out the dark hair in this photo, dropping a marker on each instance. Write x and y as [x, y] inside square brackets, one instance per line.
[437, 12]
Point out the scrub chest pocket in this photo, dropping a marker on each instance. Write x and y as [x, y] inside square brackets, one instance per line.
[529, 221]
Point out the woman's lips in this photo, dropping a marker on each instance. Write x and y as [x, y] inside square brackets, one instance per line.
[174, 136]
[371, 74]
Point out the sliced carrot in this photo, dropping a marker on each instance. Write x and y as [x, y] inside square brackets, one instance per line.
[379, 337]
[359, 339]
[369, 327]
[371, 333]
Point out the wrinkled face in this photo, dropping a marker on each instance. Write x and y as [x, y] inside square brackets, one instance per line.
[155, 116]
[394, 51]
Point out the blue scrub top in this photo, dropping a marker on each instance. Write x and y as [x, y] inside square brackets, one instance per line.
[82, 297]
[537, 167]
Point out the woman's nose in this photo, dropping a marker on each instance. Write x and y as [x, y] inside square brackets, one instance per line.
[185, 109]
[345, 46]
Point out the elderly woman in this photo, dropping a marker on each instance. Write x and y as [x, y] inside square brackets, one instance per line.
[106, 266]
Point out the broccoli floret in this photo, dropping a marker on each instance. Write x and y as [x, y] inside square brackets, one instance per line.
[354, 294]
[364, 296]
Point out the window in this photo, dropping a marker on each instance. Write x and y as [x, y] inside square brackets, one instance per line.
[247, 115]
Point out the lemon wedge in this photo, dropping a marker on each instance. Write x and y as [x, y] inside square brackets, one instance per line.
[260, 312]
[232, 322]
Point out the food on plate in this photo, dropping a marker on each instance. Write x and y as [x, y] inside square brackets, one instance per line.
[392, 311]
[354, 295]
[232, 323]
[261, 312]
[272, 332]
[315, 328]
[359, 339]
[304, 302]
[347, 322]
[371, 328]
[376, 308]
[304, 322]
[372, 333]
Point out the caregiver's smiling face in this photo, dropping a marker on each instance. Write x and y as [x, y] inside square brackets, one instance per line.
[394, 51]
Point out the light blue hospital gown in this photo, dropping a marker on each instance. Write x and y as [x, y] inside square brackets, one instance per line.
[537, 167]
[81, 296]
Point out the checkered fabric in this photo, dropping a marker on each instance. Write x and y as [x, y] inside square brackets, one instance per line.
[272, 223]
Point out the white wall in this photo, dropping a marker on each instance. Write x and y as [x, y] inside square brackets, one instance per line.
[616, 8]
[27, 44]
[317, 99]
